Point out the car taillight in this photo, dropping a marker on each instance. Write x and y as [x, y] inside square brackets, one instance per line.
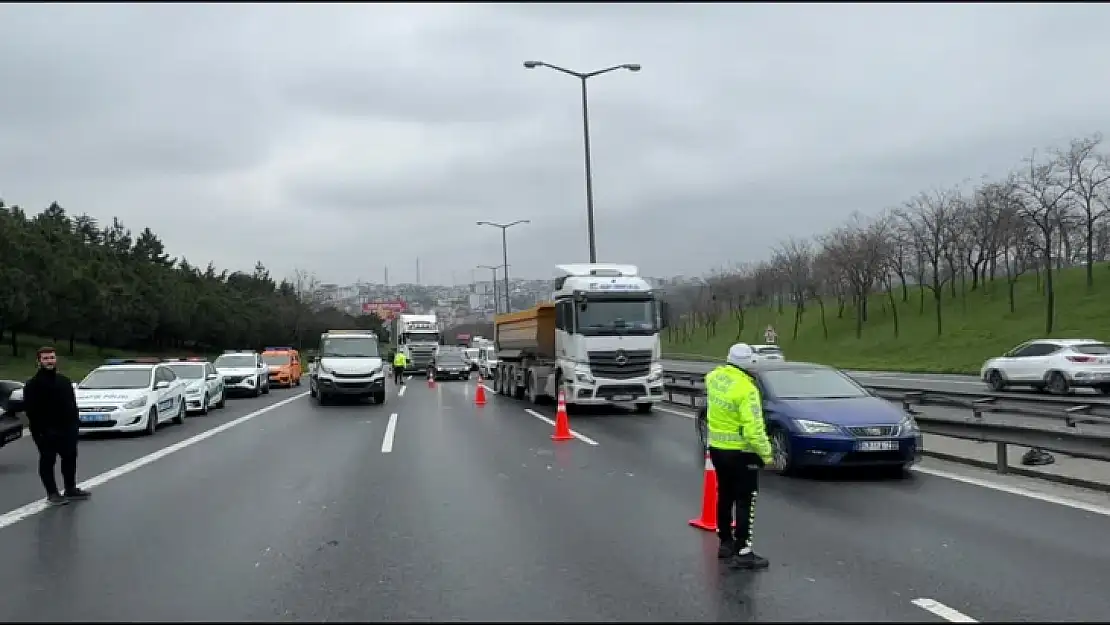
[1082, 358]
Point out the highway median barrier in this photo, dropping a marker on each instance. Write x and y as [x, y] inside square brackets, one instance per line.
[1076, 427]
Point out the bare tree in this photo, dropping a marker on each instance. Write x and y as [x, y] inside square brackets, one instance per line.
[306, 287]
[1045, 185]
[1092, 173]
[794, 260]
[930, 218]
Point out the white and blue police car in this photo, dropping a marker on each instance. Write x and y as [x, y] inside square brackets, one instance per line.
[130, 395]
[204, 386]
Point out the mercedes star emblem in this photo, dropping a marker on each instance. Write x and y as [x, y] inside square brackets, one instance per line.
[622, 360]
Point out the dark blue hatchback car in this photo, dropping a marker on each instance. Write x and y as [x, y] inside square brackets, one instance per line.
[818, 416]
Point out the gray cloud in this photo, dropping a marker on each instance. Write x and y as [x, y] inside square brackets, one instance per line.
[347, 138]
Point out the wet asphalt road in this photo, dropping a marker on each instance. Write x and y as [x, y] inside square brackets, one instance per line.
[474, 514]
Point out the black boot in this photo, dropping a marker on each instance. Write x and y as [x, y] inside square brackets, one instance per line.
[727, 549]
[750, 561]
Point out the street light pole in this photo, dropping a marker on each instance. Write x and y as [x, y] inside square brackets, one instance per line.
[493, 281]
[505, 253]
[583, 77]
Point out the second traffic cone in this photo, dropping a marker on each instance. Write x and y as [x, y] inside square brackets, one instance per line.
[708, 520]
[432, 378]
[562, 424]
[480, 393]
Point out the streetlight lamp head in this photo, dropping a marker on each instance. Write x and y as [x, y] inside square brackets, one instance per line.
[532, 64]
[632, 67]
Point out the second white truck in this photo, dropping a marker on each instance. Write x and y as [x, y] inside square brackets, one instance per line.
[418, 337]
[598, 341]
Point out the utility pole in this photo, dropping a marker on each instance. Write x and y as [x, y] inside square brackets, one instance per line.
[418, 271]
[505, 253]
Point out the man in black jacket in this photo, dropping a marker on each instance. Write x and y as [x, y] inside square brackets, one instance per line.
[51, 407]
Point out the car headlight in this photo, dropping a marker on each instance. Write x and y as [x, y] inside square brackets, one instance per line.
[138, 402]
[582, 374]
[376, 371]
[323, 369]
[656, 373]
[816, 427]
[908, 426]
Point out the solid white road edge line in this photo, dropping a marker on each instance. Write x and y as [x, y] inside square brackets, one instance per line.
[980, 482]
[581, 437]
[390, 432]
[35, 507]
[949, 614]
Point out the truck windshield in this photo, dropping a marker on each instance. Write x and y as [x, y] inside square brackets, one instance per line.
[422, 337]
[613, 317]
[353, 347]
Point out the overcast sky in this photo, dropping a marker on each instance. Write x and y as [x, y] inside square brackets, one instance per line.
[343, 139]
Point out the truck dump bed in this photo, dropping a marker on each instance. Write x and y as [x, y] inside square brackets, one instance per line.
[530, 331]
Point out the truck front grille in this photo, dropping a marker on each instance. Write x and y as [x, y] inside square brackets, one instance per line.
[620, 364]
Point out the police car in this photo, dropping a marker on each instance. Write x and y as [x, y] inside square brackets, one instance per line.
[244, 371]
[133, 395]
[204, 387]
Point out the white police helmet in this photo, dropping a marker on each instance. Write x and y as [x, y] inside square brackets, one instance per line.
[741, 354]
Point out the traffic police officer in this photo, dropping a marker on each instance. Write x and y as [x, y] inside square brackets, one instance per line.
[739, 448]
[399, 362]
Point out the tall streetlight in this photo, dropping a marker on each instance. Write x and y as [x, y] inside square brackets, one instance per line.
[505, 253]
[493, 280]
[583, 77]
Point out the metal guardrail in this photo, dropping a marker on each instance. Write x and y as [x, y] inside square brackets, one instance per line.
[1061, 416]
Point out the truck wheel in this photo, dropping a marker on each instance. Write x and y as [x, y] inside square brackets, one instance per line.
[533, 392]
[519, 392]
[644, 408]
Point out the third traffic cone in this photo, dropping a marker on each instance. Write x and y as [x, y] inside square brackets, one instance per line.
[708, 520]
[480, 393]
[562, 424]
[432, 378]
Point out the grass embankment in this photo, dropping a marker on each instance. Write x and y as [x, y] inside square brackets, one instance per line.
[84, 359]
[974, 328]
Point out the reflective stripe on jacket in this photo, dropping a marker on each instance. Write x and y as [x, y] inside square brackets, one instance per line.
[735, 412]
[399, 360]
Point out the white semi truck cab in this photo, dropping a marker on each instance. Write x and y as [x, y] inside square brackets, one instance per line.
[418, 338]
[598, 340]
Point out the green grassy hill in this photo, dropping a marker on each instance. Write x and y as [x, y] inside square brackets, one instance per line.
[975, 328]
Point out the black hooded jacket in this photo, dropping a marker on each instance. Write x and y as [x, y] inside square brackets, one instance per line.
[50, 403]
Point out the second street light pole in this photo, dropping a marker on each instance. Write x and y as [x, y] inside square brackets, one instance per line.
[583, 77]
[505, 254]
[493, 282]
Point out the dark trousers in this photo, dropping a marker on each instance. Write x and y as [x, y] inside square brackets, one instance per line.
[51, 446]
[737, 486]
[398, 374]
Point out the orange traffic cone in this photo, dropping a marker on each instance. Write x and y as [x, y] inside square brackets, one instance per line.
[432, 378]
[562, 424]
[708, 520]
[480, 393]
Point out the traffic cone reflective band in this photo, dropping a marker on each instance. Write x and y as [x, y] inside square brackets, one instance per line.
[480, 393]
[562, 424]
[708, 520]
[432, 378]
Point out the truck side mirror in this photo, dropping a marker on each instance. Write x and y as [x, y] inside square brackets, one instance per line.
[664, 314]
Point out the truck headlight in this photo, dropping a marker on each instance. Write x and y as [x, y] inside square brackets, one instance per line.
[136, 403]
[656, 373]
[582, 374]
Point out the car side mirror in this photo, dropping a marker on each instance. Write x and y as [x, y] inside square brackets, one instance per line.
[161, 384]
[211, 376]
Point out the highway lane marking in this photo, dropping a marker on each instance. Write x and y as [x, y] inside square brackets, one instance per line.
[390, 432]
[951, 615]
[581, 437]
[35, 507]
[401, 393]
[982, 483]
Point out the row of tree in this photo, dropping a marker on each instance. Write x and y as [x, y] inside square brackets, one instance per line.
[69, 279]
[1049, 213]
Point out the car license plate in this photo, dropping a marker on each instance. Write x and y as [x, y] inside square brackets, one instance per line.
[622, 398]
[85, 418]
[877, 446]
